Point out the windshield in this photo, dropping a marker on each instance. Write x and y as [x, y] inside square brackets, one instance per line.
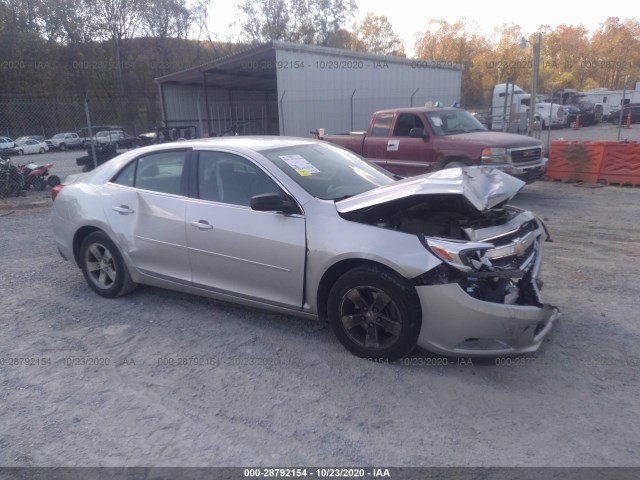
[451, 122]
[328, 172]
[59, 135]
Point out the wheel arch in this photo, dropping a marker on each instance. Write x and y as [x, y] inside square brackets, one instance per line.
[79, 237]
[336, 271]
[442, 161]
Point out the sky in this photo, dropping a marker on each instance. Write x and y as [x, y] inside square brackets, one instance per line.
[408, 17]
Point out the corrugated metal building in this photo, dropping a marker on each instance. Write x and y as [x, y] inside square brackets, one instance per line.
[291, 89]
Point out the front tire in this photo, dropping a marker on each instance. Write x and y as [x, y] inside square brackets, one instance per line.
[375, 313]
[62, 147]
[456, 164]
[103, 267]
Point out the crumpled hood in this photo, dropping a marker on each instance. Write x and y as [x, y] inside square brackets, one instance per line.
[483, 187]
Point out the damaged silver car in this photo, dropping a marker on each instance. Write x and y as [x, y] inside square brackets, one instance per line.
[306, 228]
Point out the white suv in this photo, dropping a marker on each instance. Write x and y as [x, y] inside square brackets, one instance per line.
[109, 136]
[62, 141]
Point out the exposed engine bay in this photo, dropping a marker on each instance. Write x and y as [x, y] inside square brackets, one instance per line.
[447, 216]
[491, 254]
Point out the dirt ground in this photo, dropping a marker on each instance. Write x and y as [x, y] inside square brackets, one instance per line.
[159, 378]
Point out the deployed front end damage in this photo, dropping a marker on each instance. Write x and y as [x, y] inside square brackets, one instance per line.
[484, 298]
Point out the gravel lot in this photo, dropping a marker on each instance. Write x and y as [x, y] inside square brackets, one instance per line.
[260, 389]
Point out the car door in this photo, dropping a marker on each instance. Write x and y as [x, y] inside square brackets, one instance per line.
[238, 251]
[145, 206]
[408, 155]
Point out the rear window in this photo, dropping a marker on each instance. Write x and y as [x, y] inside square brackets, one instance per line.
[158, 172]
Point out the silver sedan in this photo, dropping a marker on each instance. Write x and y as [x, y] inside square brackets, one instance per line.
[306, 228]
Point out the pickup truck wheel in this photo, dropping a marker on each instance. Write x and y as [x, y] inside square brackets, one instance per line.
[41, 150]
[62, 147]
[103, 267]
[455, 164]
[375, 313]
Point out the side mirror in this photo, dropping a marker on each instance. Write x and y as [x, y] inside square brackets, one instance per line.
[417, 133]
[273, 202]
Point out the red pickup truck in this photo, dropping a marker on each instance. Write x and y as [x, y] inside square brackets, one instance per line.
[413, 141]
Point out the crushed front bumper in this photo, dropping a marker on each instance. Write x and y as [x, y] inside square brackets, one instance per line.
[455, 323]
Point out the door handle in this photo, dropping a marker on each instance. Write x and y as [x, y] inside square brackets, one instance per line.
[123, 209]
[202, 225]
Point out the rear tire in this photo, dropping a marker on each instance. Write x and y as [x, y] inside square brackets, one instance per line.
[103, 267]
[39, 184]
[62, 147]
[375, 313]
[41, 150]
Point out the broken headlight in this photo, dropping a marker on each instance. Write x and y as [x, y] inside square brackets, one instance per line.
[465, 256]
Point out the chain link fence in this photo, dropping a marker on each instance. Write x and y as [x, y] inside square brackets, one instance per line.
[44, 139]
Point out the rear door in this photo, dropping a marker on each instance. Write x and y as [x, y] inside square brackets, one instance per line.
[235, 250]
[145, 206]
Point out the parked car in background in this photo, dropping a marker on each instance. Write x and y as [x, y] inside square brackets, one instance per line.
[29, 146]
[39, 138]
[306, 228]
[117, 137]
[589, 114]
[631, 108]
[87, 137]
[64, 141]
[6, 144]
[551, 114]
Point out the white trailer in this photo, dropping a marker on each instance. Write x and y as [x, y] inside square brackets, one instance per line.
[611, 100]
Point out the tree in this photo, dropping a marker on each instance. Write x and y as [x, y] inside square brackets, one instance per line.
[375, 35]
[461, 44]
[119, 20]
[316, 22]
[615, 49]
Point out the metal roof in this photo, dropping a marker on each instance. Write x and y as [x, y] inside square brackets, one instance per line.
[255, 67]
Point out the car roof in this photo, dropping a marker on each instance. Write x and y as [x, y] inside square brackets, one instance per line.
[256, 143]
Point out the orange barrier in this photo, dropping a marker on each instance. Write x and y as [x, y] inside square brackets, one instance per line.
[575, 161]
[576, 125]
[613, 163]
[629, 120]
[621, 165]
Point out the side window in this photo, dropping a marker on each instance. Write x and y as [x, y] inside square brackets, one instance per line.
[127, 175]
[405, 123]
[382, 125]
[228, 178]
[158, 172]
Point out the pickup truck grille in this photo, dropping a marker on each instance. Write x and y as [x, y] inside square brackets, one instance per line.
[526, 155]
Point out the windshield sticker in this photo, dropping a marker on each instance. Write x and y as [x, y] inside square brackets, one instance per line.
[437, 121]
[300, 164]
